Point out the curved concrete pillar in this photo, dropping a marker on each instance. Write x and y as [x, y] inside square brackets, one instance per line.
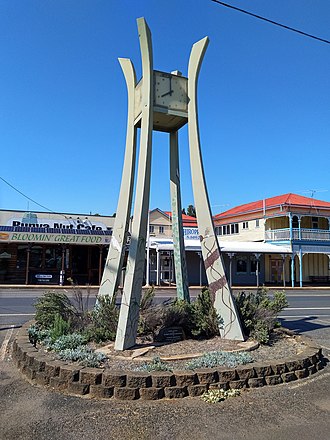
[218, 285]
[129, 310]
[113, 266]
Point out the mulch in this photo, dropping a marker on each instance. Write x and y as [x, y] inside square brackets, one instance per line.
[283, 344]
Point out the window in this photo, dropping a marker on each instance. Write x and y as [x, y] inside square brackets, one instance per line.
[151, 229]
[241, 266]
[234, 228]
[218, 230]
[315, 223]
[36, 257]
[53, 258]
[161, 229]
[254, 266]
[295, 223]
[257, 223]
[245, 225]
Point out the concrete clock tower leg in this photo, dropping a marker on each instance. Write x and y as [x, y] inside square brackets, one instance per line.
[113, 266]
[218, 285]
[180, 264]
[129, 310]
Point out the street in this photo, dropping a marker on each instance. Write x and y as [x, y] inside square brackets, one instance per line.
[296, 411]
[308, 311]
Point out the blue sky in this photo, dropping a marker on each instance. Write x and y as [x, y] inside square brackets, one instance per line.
[264, 100]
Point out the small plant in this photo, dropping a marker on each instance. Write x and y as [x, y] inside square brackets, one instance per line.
[206, 321]
[36, 334]
[82, 354]
[197, 320]
[67, 342]
[220, 358]
[59, 328]
[50, 306]
[155, 365]
[258, 312]
[215, 396]
[104, 319]
[147, 299]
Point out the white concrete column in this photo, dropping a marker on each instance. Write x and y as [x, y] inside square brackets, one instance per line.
[180, 264]
[218, 285]
[114, 262]
[130, 305]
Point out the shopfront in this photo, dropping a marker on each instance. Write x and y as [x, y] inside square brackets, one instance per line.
[41, 248]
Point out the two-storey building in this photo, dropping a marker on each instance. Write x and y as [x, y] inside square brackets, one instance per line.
[290, 221]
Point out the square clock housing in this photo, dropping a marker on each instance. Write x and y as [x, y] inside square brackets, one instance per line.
[170, 103]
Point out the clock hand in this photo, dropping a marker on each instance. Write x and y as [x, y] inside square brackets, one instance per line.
[167, 93]
[171, 91]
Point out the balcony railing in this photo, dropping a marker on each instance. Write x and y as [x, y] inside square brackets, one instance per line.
[303, 234]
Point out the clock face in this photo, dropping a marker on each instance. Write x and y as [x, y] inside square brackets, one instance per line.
[170, 91]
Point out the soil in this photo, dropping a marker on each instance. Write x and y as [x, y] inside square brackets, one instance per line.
[282, 345]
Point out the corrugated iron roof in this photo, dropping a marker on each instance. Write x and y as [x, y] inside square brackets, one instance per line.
[289, 199]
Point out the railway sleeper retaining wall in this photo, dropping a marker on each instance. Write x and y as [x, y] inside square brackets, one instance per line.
[129, 385]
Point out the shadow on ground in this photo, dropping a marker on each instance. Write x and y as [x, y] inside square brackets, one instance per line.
[302, 325]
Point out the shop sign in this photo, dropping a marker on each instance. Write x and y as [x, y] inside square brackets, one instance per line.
[34, 237]
[44, 278]
[191, 233]
[37, 220]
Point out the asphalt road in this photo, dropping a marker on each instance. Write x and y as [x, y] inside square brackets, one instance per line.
[295, 411]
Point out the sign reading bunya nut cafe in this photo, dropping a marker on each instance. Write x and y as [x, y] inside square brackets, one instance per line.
[54, 228]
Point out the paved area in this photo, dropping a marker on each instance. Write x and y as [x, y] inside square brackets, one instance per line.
[295, 411]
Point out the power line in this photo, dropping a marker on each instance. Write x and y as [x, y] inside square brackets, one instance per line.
[27, 197]
[271, 21]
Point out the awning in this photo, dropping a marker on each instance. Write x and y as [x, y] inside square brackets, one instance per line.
[225, 246]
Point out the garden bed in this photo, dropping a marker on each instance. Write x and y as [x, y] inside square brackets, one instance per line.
[288, 358]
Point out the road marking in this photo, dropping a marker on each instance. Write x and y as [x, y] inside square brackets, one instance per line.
[5, 343]
[302, 316]
[16, 314]
[307, 308]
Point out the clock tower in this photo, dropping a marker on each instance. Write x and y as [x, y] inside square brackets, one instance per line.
[165, 102]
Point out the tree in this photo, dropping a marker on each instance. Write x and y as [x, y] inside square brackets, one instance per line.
[191, 211]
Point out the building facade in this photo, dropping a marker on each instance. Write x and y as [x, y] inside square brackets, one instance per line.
[283, 240]
[50, 248]
[300, 224]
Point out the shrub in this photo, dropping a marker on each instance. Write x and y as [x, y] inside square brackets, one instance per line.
[147, 299]
[198, 319]
[36, 334]
[50, 306]
[104, 320]
[258, 312]
[155, 365]
[220, 358]
[70, 341]
[205, 320]
[82, 354]
[59, 328]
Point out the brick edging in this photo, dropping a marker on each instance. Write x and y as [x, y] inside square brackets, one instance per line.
[130, 385]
